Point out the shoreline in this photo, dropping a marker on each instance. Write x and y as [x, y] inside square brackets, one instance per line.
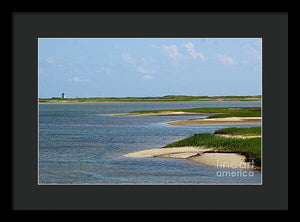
[203, 155]
[217, 121]
[199, 121]
[159, 114]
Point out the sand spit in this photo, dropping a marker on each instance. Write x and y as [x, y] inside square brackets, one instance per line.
[157, 114]
[196, 122]
[179, 152]
[217, 121]
[202, 155]
[223, 160]
[236, 136]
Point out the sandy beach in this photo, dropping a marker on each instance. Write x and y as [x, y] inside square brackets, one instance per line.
[217, 121]
[223, 160]
[236, 136]
[157, 114]
[176, 152]
[208, 156]
[196, 122]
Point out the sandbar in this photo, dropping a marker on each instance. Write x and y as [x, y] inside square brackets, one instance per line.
[157, 114]
[208, 156]
[217, 121]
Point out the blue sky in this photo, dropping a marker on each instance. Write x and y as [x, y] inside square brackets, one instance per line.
[149, 67]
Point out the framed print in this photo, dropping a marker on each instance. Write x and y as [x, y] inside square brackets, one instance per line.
[85, 139]
[142, 112]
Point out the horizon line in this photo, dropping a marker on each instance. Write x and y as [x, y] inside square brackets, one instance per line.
[152, 96]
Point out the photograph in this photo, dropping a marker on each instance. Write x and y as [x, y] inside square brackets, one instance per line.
[150, 111]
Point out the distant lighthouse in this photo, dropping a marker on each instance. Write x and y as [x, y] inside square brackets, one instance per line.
[63, 95]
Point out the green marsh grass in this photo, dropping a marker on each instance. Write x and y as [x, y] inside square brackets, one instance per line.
[250, 147]
[250, 131]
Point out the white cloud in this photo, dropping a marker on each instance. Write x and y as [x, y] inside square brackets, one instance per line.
[145, 71]
[191, 49]
[226, 60]
[172, 52]
[128, 58]
[137, 64]
[77, 79]
[147, 77]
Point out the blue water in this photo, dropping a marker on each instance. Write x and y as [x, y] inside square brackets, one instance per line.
[78, 145]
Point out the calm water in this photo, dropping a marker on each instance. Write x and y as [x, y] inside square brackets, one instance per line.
[78, 145]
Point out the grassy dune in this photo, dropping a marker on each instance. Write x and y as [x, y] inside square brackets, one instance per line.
[250, 147]
[215, 112]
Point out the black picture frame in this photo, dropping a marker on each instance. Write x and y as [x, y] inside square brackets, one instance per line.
[272, 27]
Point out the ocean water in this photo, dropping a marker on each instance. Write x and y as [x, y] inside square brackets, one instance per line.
[80, 145]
